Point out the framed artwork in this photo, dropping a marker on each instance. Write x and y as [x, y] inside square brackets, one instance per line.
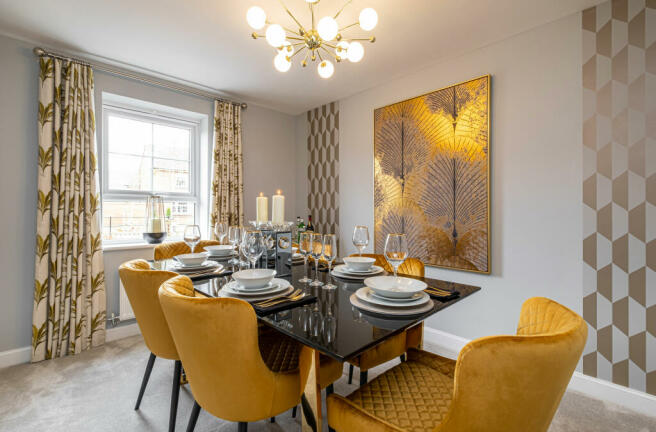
[432, 175]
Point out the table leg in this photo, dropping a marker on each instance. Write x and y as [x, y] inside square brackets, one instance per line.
[313, 395]
[421, 340]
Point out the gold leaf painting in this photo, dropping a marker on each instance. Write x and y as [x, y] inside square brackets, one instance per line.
[431, 175]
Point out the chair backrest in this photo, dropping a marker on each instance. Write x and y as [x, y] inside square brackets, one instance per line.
[515, 383]
[410, 267]
[141, 285]
[170, 249]
[217, 339]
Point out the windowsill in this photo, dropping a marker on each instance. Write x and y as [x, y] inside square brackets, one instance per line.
[126, 246]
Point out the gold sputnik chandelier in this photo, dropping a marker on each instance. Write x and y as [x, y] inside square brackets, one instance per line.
[324, 37]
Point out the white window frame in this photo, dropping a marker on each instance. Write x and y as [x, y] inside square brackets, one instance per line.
[142, 112]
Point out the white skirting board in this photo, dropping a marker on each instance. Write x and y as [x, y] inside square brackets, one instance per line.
[23, 355]
[449, 345]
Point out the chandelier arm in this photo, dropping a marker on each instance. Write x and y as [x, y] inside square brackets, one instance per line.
[304, 62]
[292, 15]
[330, 45]
[340, 11]
[348, 26]
[371, 39]
[312, 12]
[295, 38]
[333, 55]
[291, 31]
[298, 51]
[319, 54]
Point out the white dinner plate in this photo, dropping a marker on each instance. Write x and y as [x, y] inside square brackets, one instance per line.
[341, 268]
[391, 311]
[233, 288]
[256, 298]
[179, 267]
[395, 287]
[270, 286]
[369, 296]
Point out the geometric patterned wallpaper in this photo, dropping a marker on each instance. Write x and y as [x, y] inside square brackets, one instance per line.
[619, 192]
[323, 168]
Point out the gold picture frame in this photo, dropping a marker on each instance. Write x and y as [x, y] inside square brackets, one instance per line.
[432, 175]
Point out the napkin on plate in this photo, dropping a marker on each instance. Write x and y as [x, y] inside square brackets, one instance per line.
[262, 311]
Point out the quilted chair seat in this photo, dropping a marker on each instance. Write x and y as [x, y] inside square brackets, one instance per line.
[498, 384]
[170, 249]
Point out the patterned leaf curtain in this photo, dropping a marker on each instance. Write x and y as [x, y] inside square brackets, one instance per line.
[69, 286]
[227, 183]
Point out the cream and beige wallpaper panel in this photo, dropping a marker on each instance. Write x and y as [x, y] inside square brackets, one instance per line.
[619, 192]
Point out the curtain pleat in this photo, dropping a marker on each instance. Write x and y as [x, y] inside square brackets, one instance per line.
[227, 179]
[69, 288]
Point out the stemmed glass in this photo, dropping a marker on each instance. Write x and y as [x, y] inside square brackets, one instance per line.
[360, 237]
[234, 235]
[192, 236]
[254, 246]
[221, 231]
[396, 250]
[329, 254]
[304, 249]
[316, 250]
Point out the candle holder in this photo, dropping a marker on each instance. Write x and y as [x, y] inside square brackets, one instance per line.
[278, 239]
[155, 229]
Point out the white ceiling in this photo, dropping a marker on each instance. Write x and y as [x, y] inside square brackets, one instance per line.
[208, 42]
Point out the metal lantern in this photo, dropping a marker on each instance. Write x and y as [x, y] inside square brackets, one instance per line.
[155, 229]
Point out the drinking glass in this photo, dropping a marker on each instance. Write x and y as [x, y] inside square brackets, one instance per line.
[316, 250]
[254, 246]
[360, 237]
[234, 236]
[396, 250]
[329, 254]
[192, 236]
[304, 249]
[221, 231]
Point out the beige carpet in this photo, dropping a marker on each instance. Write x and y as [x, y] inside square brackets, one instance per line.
[96, 391]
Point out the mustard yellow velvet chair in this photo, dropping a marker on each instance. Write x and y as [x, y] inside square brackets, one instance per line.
[141, 285]
[170, 249]
[396, 346]
[498, 384]
[236, 371]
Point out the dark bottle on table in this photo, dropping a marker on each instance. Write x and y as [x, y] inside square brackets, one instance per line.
[310, 225]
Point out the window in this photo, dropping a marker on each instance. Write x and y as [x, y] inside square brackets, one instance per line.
[147, 153]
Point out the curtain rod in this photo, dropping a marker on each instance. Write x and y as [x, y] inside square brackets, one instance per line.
[40, 52]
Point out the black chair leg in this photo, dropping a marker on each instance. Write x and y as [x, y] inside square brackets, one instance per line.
[309, 414]
[146, 377]
[350, 380]
[330, 390]
[294, 411]
[193, 418]
[363, 377]
[243, 427]
[273, 419]
[402, 357]
[175, 393]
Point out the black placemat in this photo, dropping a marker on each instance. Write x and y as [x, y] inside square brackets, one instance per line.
[309, 299]
[443, 298]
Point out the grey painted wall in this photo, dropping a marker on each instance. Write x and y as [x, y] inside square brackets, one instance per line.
[535, 172]
[269, 161]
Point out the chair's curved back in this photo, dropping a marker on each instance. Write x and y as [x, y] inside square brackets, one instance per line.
[410, 267]
[515, 383]
[217, 339]
[141, 285]
[170, 249]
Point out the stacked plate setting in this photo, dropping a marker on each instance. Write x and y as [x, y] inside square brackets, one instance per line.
[255, 284]
[195, 263]
[357, 268]
[220, 251]
[396, 296]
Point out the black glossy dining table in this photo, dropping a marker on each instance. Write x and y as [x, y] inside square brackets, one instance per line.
[331, 325]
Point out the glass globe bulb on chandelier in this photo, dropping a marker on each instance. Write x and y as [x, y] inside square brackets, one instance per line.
[317, 41]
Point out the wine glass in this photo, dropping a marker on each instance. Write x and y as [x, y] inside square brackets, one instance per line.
[329, 254]
[192, 236]
[304, 249]
[221, 231]
[360, 237]
[396, 250]
[316, 250]
[234, 236]
[254, 246]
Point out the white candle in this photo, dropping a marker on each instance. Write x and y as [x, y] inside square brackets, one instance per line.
[262, 214]
[156, 226]
[278, 208]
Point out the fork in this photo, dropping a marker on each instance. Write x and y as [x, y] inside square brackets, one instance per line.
[280, 297]
[283, 300]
